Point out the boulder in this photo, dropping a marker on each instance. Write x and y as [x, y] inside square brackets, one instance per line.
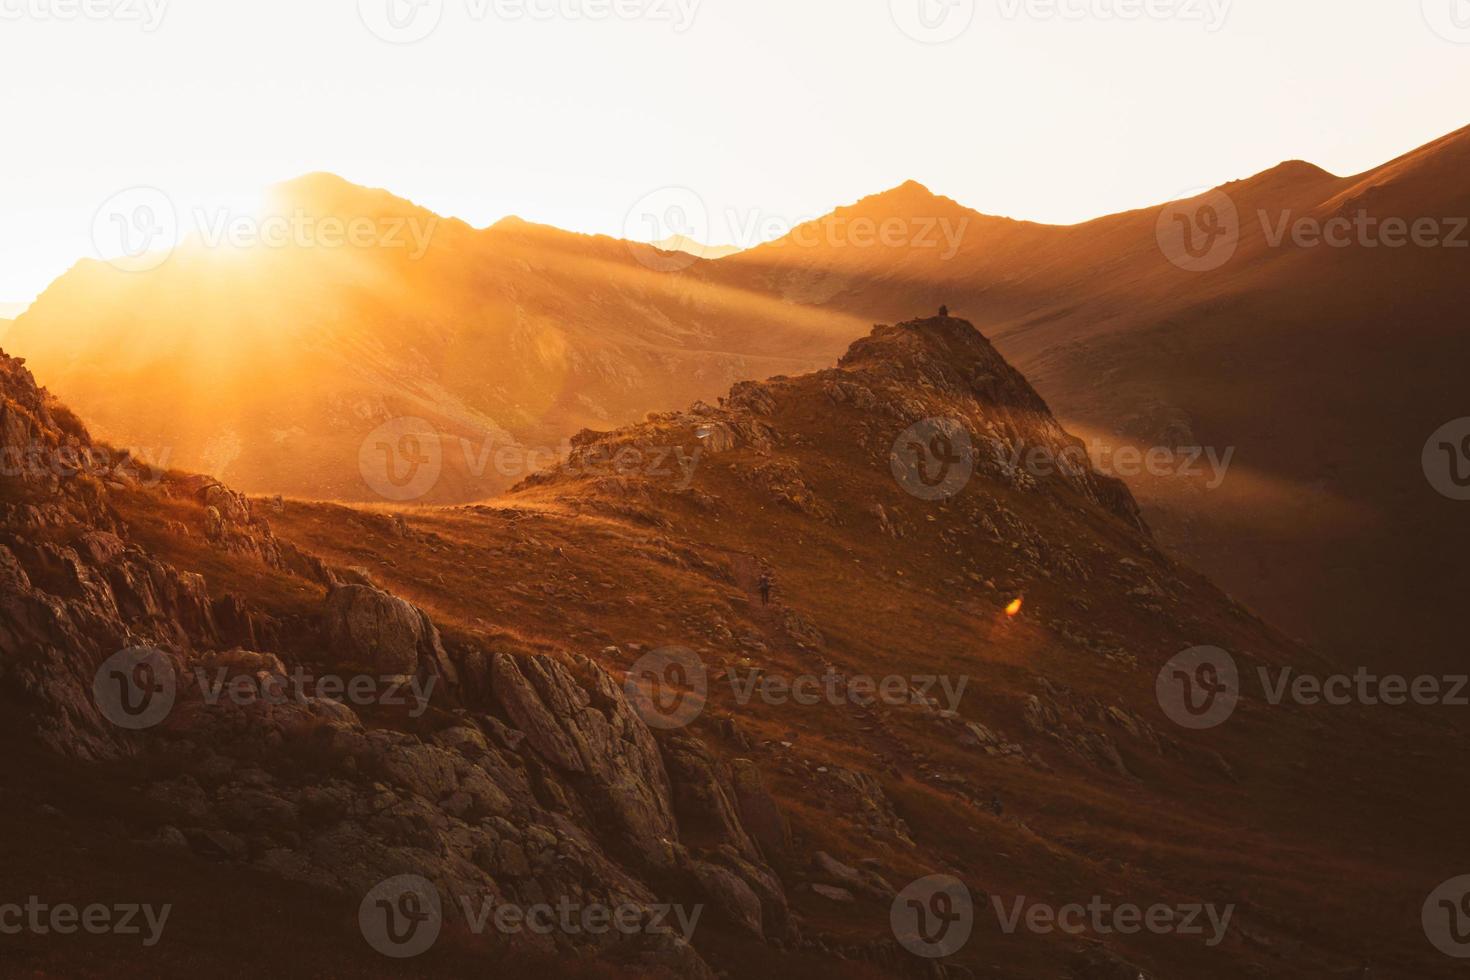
[731, 897]
[370, 628]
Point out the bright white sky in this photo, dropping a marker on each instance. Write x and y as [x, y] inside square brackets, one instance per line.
[778, 109]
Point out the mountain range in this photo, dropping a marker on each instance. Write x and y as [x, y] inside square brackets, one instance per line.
[1298, 382]
[1026, 753]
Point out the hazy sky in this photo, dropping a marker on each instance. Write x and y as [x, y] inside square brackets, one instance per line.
[572, 111]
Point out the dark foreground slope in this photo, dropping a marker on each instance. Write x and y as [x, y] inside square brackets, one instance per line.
[1034, 760]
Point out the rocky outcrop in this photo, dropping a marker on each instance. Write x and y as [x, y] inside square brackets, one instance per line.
[374, 630]
[594, 736]
[536, 780]
[703, 798]
[759, 813]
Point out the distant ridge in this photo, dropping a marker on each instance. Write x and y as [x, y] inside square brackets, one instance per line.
[1321, 368]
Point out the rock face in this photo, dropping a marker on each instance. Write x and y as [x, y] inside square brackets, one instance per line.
[545, 784]
[523, 774]
[923, 371]
[369, 628]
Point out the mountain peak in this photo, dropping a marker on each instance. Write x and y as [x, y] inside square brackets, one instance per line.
[325, 193]
[935, 373]
[947, 354]
[1290, 176]
[908, 197]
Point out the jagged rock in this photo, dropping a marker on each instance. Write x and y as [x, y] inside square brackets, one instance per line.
[850, 878]
[834, 894]
[707, 815]
[596, 733]
[231, 506]
[730, 896]
[759, 814]
[716, 437]
[367, 627]
[680, 959]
